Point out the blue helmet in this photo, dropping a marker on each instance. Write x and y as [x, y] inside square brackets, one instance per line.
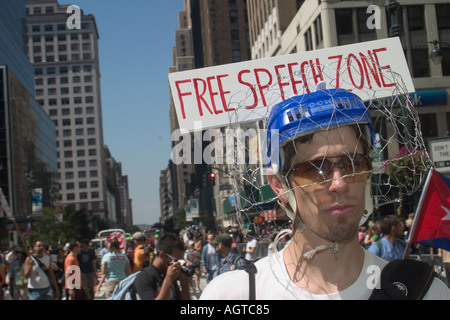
[308, 113]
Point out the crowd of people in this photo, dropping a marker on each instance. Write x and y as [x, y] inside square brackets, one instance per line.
[41, 272]
[46, 272]
[171, 265]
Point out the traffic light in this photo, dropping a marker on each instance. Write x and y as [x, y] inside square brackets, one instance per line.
[212, 176]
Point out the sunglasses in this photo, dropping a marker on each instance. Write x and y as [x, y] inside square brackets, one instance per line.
[353, 168]
[170, 256]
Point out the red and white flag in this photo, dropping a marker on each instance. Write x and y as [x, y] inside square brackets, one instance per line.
[432, 220]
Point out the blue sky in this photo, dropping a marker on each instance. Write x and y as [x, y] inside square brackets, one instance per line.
[136, 41]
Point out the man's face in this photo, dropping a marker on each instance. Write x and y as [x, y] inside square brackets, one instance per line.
[331, 210]
[77, 248]
[84, 246]
[39, 247]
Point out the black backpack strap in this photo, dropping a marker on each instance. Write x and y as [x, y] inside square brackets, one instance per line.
[250, 268]
[404, 280]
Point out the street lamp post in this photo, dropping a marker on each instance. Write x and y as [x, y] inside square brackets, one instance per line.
[436, 53]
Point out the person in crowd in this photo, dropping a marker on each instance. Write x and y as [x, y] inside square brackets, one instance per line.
[250, 247]
[231, 259]
[390, 246]
[115, 267]
[15, 276]
[159, 281]
[88, 266]
[372, 236]
[130, 255]
[74, 281]
[105, 248]
[3, 267]
[41, 278]
[140, 241]
[319, 167]
[210, 258]
[445, 256]
[193, 258]
[59, 273]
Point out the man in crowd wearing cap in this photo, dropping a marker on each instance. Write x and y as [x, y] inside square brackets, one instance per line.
[140, 241]
[231, 259]
[320, 169]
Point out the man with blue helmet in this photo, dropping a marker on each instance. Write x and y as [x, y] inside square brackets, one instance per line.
[318, 148]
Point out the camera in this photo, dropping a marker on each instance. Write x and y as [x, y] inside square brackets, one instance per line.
[186, 269]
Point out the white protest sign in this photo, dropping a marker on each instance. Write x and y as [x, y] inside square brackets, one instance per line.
[241, 92]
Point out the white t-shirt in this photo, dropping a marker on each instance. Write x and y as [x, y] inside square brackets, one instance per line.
[38, 278]
[273, 283]
[250, 245]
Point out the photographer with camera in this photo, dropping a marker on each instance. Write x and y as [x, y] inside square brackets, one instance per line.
[159, 281]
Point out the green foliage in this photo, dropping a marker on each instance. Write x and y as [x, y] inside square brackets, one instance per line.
[404, 170]
[179, 220]
[60, 228]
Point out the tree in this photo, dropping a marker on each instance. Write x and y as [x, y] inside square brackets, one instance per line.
[179, 220]
[59, 228]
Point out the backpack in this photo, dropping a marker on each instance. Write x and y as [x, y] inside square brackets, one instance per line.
[123, 290]
[235, 260]
[149, 256]
[404, 280]
[400, 280]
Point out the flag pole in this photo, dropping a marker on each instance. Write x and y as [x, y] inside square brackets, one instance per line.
[416, 215]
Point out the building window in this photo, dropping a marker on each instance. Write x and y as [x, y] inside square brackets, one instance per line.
[235, 35]
[81, 174]
[428, 125]
[68, 164]
[69, 175]
[236, 55]
[308, 40]
[420, 63]
[344, 18]
[318, 29]
[233, 16]
[68, 154]
[442, 16]
[416, 18]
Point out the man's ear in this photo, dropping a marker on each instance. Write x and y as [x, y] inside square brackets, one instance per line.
[276, 186]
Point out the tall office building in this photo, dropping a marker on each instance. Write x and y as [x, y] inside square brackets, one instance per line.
[422, 26]
[67, 78]
[27, 135]
[268, 19]
[210, 33]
